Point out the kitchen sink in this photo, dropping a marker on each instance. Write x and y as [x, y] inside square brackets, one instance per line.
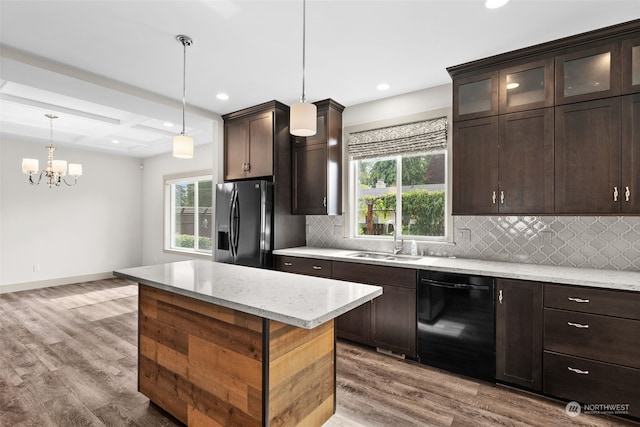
[383, 256]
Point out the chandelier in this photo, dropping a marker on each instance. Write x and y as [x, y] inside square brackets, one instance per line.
[56, 171]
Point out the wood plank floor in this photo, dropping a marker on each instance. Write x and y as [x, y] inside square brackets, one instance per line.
[68, 357]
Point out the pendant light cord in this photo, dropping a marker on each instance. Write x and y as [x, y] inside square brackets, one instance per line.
[304, 32]
[184, 83]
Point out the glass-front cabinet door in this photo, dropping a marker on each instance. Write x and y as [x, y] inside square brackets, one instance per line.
[526, 87]
[631, 66]
[476, 96]
[588, 74]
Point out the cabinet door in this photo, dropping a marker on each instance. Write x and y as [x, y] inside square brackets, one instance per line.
[393, 320]
[587, 157]
[631, 65]
[235, 149]
[475, 166]
[525, 162]
[321, 132]
[527, 86]
[519, 333]
[630, 183]
[355, 325]
[260, 147]
[475, 96]
[310, 180]
[588, 74]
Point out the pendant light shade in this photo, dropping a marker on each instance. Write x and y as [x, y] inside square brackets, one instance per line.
[302, 119]
[183, 144]
[183, 147]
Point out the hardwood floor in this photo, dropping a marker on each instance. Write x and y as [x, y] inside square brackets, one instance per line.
[68, 357]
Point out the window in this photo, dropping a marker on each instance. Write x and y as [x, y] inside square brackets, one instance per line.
[400, 178]
[188, 217]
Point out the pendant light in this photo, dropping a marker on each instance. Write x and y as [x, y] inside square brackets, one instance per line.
[183, 144]
[302, 121]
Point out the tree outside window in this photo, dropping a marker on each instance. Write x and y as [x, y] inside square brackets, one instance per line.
[191, 207]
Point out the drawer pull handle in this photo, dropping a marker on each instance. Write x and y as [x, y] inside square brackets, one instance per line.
[315, 267]
[578, 371]
[577, 299]
[578, 325]
[288, 264]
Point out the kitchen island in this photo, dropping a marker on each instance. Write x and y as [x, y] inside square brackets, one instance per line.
[226, 345]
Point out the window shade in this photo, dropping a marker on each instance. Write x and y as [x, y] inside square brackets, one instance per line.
[410, 138]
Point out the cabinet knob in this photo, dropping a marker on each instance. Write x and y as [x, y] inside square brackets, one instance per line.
[615, 194]
[578, 371]
[627, 194]
[493, 198]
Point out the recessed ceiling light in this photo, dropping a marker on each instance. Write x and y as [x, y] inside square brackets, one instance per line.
[383, 86]
[512, 85]
[115, 141]
[494, 4]
[222, 96]
[167, 124]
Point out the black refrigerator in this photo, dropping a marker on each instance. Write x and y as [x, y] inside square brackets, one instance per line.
[244, 223]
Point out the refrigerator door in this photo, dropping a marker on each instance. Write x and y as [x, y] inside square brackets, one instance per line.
[223, 248]
[252, 220]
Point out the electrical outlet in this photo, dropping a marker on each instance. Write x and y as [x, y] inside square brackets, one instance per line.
[36, 268]
[464, 235]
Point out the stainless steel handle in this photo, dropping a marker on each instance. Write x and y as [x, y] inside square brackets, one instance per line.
[493, 198]
[248, 167]
[578, 325]
[324, 201]
[615, 194]
[578, 300]
[502, 197]
[627, 194]
[316, 267]
[288, 264]
[578, 371]
[500, 296]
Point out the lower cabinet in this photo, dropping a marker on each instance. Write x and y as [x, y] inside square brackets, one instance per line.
[519, 333]
[389, 321]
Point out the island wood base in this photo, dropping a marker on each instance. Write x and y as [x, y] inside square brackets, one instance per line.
[209, 365]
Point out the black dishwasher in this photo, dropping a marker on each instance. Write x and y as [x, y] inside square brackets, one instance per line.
[456, 326]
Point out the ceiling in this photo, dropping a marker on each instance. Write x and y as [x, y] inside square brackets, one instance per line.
[112, 70]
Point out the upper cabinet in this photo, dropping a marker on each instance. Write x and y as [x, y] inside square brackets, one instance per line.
[550, 129]
[586, 74]
[631, 65]
[253, 138]
[475, 96]
[317, 164]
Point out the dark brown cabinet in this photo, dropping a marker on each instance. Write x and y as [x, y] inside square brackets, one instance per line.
[504, 164]
[317, 165]
[519, 333]
[308, 266]
[253, 139]
[527, 86]
[592, 345]
[631, 65]
[586, 74]
[475, 96]
[587, 157]
[630, 182]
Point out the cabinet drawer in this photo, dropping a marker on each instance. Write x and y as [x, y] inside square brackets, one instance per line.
[590, 300]
[375, 274]
[308, 266]
[586, 381]
[593, 336]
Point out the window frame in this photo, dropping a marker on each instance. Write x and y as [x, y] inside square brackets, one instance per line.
[350, 185]
[169, 182]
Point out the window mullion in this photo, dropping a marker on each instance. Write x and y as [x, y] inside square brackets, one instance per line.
[399, 194]
[196, 216]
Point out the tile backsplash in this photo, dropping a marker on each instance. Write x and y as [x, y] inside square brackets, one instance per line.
[587, 242]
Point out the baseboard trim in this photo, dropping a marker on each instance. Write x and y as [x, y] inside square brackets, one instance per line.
[27, 286]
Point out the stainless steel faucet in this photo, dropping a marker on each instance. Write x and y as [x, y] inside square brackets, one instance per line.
[396, 249]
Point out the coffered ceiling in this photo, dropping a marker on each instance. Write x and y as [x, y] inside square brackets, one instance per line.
[112, 70]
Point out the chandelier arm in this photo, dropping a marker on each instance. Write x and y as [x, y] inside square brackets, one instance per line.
[39, 178]
[75, 180]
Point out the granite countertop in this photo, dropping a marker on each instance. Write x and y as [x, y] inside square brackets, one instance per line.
[297, 300]
[611, 279]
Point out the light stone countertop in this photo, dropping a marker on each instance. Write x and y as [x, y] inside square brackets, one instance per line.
[610, 279]
[297, 300]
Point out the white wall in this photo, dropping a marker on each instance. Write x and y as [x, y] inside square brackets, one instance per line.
[67, 232]
[155, 168]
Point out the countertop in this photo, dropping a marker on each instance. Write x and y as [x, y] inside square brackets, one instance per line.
[301, 301]
[610, 279]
